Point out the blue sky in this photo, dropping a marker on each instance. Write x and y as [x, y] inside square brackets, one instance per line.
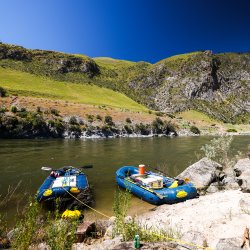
[136, 30]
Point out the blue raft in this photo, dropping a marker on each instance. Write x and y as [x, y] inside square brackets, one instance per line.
[154, 188]
[62, 183]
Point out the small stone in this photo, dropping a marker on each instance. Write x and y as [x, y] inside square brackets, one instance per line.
[228, 244]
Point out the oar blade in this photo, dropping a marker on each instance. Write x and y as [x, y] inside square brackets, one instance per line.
[46, 168]
[87, 166]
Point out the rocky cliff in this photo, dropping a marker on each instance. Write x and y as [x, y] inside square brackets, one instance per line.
[216, 84]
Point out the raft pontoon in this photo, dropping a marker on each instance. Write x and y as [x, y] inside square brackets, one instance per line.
[154, 188]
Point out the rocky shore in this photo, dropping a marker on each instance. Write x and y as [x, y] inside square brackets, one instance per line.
[215, 220]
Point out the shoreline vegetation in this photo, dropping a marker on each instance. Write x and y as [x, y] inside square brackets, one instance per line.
[21, 117]
[222, 174]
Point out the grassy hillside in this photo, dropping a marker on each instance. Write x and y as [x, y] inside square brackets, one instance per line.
[30, 85]
[215, 84]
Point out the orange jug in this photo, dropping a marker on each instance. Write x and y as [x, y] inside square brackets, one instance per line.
[141, 169]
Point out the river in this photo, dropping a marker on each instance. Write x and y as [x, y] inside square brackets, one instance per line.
[21, 162]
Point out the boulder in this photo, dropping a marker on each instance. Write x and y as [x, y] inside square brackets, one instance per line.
[83, 229]
[244, 181]
[202, 173]
[195, 237]
[213, 188]
[228, 244]
[241, 166]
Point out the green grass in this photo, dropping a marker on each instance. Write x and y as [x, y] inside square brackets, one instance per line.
[196, 116]
[182, 57]
[112, 63]
[30, 85]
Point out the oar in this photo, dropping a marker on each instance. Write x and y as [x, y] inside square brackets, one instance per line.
[162, 173]
[87, 166]
[148, 189]
[51, 169]
[46, 168]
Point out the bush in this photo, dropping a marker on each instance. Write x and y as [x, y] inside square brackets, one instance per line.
[13, 109]
[128, 120]
[54, 112]
[3, 109]
[75, 130]
[90, 118]
[51, 123]
[232, 130]
[169, 128]
[128, 129]
[157, 125]
[38, 109]
[98, 117]
[73, 120]
[171, 116]
[108, 120]
[23, 114]
[158, 113]
[219, 150]
[3, 92]
[143, 129]
[195, 130]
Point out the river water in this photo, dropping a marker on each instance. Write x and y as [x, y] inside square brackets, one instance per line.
[21, 162]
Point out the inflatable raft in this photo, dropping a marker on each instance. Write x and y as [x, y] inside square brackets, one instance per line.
[154, 188]
[62, 183]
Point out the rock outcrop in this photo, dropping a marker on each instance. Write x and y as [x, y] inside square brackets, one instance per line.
[216, 84]
[242, 171]
[202, 173]
[214, 216]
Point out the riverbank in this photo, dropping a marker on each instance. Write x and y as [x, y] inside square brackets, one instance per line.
[29, 117]
[216, 220]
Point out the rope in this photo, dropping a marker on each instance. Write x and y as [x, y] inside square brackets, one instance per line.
[87, 205]
[158, 235]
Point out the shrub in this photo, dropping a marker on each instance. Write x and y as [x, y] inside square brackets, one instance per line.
[128, 129]
[73, 120]
[157, 125]
[143, 129]
[75, 130]
[23, 110]
[90, 118]
[23, 114]
[195, 130]
[98, 117]
[54, 112]
[13, 109]
[106, 129]
[169, 128]
[158, 113]
[218, 150]
[51, 123]
[171, 116]
[27, 227]
[128, 120]
[38, 109]
[108, 120]
[3, 109]
[3, 92]
[232, 130]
